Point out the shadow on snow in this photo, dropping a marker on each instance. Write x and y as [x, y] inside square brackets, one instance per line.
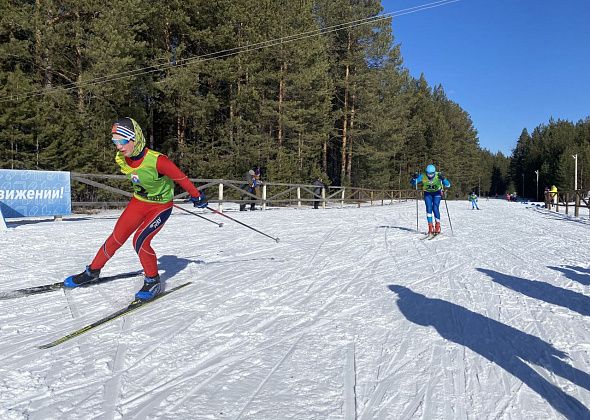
[579, 274]
[546, 292]
[501, 344]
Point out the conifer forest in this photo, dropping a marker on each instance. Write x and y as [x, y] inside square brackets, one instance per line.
[301, 88]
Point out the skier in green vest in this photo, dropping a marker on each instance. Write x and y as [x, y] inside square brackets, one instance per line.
[432, 184]
[152, 175]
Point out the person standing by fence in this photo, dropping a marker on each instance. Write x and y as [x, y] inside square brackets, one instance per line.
[249, 187]
[317, 192]
[553, 193]
[152, 175]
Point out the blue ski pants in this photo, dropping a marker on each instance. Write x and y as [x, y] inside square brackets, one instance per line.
[432, 201]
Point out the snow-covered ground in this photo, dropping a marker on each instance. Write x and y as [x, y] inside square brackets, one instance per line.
[351, 315]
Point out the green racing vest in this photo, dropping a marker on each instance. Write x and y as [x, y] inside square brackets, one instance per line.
[431, 185]
[148, 184]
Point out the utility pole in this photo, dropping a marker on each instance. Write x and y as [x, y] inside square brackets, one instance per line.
[575, 171]
[537, 172]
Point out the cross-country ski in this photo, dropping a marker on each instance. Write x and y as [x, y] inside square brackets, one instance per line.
[133, 306]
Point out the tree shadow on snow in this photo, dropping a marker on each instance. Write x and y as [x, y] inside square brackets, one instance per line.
[546, 292]
[578, 274]
[501, 344]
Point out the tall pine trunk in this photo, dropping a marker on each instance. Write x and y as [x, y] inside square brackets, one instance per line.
[345, 116]
[350, 142]
[325, 155]
[282, 88]
[181, 136]
[79, 63]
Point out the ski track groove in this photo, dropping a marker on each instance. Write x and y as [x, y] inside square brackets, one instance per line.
[349, 382]
[314, 317]
[194, 390]
[112, 386]
[216, 360]
[266, 378]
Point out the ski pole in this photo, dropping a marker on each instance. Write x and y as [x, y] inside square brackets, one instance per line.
[198, 215]
[243, 224]
[417, 205]
[448, 215]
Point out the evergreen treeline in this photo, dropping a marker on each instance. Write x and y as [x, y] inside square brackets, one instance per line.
[215, 89]
[549, 149]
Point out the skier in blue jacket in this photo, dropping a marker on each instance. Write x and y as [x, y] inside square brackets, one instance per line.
[432, 184]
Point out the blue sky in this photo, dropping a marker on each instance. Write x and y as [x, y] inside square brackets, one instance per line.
[510, 64]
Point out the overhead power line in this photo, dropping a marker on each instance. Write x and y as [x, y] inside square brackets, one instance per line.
[228, 52]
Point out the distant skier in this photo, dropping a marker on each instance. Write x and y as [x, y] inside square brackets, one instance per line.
[473, 199]
[152, 175]
[432, 184]
[553, 193]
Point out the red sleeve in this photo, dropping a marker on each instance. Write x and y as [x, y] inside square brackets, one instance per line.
[166, 167]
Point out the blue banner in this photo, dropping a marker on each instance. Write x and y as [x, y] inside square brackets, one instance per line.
[34, 193]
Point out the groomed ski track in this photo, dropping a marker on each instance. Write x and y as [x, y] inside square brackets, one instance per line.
[350, 316]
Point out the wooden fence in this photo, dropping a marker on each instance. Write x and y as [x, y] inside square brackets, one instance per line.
[568, 199]
[99, 190]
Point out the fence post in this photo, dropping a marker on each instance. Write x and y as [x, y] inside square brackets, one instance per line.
[577, 204]
[220, 197]
[371, 198]
[342, 197]
[264, 196]
[566, 202]
[323, 197]
[299, 197]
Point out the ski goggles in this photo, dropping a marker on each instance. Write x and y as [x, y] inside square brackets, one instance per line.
[121, 142]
